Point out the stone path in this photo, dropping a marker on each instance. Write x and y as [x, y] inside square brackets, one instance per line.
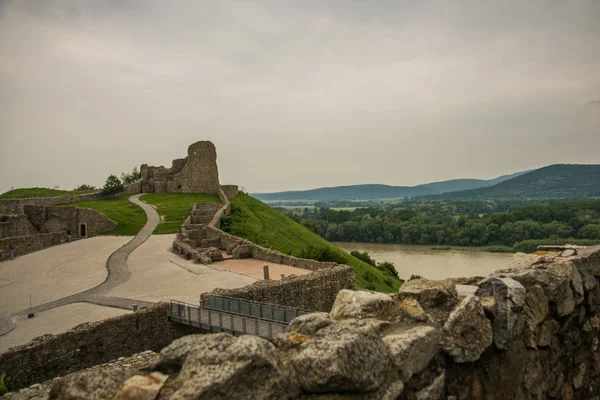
[118, 274]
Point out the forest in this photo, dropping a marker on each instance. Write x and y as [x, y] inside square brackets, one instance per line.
[510, 226]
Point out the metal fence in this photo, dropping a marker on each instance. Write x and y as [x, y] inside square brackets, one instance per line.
[254, 309]
[222, 321]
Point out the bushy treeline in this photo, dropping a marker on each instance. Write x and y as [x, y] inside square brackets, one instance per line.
[457, 223]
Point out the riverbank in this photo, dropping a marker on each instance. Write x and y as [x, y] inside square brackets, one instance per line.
[451, 262]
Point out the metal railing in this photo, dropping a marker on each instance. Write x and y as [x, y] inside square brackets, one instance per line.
[254, 309]
[222, 321]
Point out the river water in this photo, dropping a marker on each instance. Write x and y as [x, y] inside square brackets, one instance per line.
[433, 264]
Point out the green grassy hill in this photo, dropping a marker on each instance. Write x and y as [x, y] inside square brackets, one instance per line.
[253, 220]
[174, 208]
[130, 217]
[41, 192]
[551, 182]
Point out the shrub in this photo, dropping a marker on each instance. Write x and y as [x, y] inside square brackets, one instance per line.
[321, 254]
[133, 176]
[84, 188]
[388, 268]
[415, 277]
[3, 389]
[364, 257]
[112, 185]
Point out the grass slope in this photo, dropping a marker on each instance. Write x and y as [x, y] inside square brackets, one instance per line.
[253, 220]
[41, 192]
[131, 218]
[551, 182]
[174, 208]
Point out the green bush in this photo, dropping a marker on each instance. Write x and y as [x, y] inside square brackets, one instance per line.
[415, 277]
[3, 389]
[364, 257]
[112, 185]
[388, 268]
[498, 249]
[325, 254]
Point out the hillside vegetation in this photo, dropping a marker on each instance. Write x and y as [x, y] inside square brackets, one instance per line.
[253, 220]
[378, 192]
[130, 217]
[174, 208]
[460, 223]
[41, 192]
[559, 181]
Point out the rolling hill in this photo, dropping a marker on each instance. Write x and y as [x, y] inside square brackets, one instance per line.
[376, 191]
[558, 181]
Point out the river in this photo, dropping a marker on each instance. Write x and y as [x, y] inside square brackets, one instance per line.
[433, 264]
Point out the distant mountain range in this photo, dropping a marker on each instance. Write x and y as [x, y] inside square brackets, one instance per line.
[376, 191]
[558, 181]
[552, 182]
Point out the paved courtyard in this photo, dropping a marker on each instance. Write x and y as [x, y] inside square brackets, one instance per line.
[254, 268]
[158, 274]
[70, 284]
[55, 272]
[56, 320]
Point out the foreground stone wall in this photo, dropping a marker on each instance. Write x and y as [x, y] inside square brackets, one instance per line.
[315, 291]
[528, 332]
[89, 344]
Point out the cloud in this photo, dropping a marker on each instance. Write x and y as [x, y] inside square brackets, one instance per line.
[295, 94]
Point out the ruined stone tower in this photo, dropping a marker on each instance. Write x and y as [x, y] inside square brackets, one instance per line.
[197, 173]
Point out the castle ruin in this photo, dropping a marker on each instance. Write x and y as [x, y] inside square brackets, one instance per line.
[196, 173]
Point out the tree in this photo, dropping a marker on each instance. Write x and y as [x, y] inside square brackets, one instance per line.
[112, 185]
[84, 187]
[130, 177]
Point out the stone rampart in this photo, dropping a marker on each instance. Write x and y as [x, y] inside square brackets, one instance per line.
[90, 344]
[315, 291]
[27, 244]
[16, 206]
[531, 331]
[230, 190]
[39, 227]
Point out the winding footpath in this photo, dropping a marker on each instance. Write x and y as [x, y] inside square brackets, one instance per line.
[118, 274]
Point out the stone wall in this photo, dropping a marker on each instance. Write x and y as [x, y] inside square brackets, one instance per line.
[16, 206]
[90, 344]
[15, 225]
[197, 173]
[40, 227]
[27, 244]
[230, 190]
[315, 291]
[531, 331]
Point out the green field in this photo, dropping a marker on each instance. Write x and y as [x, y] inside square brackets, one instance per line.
[41, 192]
[174, 208]
[255, 221]
[130, 217]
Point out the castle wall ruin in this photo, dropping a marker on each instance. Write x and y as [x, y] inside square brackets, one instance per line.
[196, 173]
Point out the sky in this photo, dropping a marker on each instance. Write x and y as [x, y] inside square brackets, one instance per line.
[297, 94]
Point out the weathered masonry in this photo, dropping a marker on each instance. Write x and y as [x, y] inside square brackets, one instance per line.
[28, 225]
[196, 173]
[531, 331]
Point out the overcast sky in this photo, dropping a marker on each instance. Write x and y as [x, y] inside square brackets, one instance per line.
[297, 94]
